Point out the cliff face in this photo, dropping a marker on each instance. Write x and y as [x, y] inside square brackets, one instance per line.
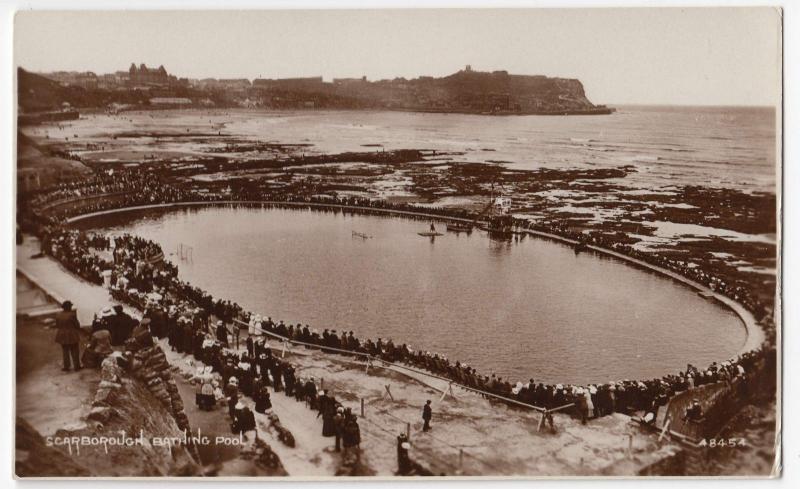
[467, 91]
[136, 415]
[500, 91]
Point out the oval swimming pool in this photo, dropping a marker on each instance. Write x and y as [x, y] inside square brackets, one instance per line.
[524, 308]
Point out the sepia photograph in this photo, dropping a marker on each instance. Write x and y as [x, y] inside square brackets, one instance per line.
[383, 244]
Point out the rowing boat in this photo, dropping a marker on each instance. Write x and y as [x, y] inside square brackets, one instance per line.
[459, 228]
[430, 234]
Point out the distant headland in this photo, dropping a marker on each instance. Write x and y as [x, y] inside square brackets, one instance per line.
[466, 91]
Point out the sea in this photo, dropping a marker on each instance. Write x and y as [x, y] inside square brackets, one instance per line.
[724, 147]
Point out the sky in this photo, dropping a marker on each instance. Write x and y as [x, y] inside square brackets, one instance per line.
[678, 56]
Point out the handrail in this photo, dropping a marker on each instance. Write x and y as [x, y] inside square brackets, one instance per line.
[76, 198]
[405, 367]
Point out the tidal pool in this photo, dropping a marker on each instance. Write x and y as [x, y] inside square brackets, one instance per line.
[525, 308]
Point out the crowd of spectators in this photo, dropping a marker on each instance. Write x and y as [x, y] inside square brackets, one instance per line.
[171, 311]
[156, 288]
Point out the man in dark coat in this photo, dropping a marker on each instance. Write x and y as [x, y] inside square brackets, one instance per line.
[251, 351]
[244, 421]
[328, 414]
[68, 336]
[311, 393]
[288, 379]
[403, 461]
[322, 403]
[222, 333]
[351, 434]
[232, 395]
[427, 414]
[262, 398]
[276, 370]
[159, 322]
[121, 326]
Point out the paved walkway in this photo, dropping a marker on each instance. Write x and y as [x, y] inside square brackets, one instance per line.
[62, 285]
[46, 397]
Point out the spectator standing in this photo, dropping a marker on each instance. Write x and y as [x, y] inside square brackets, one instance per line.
[68, 336]
[427, 414]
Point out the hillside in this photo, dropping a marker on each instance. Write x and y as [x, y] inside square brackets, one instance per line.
[37, 93]
[465, 91]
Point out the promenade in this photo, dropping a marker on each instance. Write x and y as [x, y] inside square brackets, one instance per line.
[60, 284]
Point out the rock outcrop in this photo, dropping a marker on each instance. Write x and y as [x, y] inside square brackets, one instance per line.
[148, 363]
[137, 425]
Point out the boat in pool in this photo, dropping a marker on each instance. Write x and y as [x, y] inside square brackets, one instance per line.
[459, 227]
[499, 223]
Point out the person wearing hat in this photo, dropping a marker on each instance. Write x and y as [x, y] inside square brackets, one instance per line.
[251, 327]
[323, 410]
[403, 461]
[121, 325]
[222, 334]
[276, 372]
[157, 319]
[101, 319]
[232, 394]
[300, 389]
[694, 413]
[237, 412]
[338, 426]
[244, 420]
[351, 433]
[289, 379]
[694, 417]
[427, 415]
[251, 346]
[68, 336]
[262, 398]
[142, 334]
[99, 348]
[207, 400]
